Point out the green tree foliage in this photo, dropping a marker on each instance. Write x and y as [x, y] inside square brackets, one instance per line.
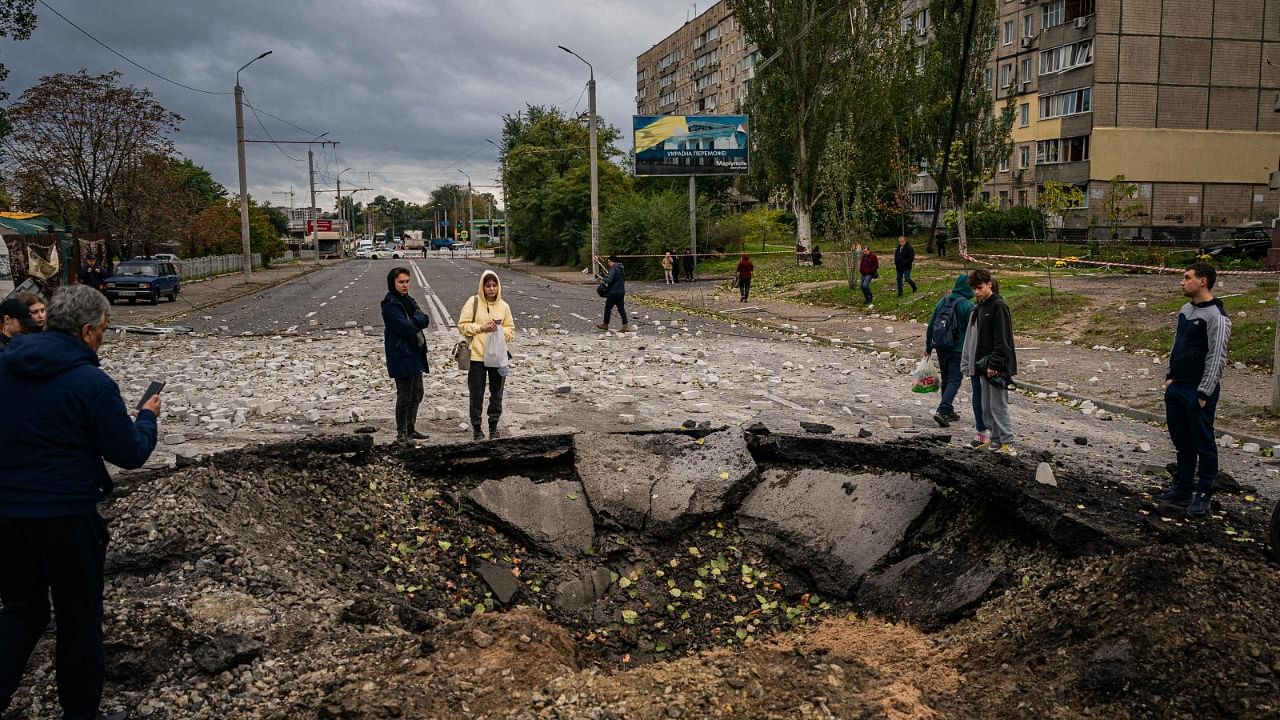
[646, 224]
[1058, 198]
[799, 97]
[548, 182]
[1116, 206]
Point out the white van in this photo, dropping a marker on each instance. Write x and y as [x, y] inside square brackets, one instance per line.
[6, 271]
[364, 249]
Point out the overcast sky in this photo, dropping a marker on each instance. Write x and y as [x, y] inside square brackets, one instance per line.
[410, 87]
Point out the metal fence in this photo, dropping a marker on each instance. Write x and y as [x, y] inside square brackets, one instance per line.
[203, 267]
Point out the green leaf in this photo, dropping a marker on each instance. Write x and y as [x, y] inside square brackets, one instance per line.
[444, 545]
[629, 616]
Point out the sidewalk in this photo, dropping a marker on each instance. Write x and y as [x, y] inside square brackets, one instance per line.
[1129, 383]
[200, 294]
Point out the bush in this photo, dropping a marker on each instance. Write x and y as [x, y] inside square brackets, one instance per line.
[989, 223]
[645, 224]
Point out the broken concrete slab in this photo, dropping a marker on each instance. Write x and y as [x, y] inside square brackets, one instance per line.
[499, 579]
[551, 516]
[663, 484]
[931, 589]
[583, 591]
[834, 526]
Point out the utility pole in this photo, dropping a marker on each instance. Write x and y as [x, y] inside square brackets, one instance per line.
[506, 206]
[595, 178]
[315, 222]
[693, 216]
[244, 193]
[470, 207]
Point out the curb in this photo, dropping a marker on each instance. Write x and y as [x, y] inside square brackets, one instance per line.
[268, 286]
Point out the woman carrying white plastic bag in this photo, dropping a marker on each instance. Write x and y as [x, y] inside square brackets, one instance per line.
[479, 322]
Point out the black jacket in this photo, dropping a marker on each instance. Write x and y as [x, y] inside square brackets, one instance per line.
[904, 256]
[402, 321]
[995, 338]
[616, 281]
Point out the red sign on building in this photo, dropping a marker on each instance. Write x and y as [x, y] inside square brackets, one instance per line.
[321, 226]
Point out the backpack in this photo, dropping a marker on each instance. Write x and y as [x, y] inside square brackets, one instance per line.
[946, 326]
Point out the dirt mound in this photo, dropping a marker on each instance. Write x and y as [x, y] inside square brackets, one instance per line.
[332, 579]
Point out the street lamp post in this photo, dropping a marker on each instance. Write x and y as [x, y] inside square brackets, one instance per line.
[595, 178]
[470, 206]
[506, 205]
[311, 177]
[342, 212]
[244, 193]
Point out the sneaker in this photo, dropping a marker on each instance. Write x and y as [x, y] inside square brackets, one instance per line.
[476, 433]
[1200, 503]
[1007, 449]
[941, 420]
[494, 432]
[1175, 497]
[981, 442]
[415, 435]
[952, 417]
[602, 326]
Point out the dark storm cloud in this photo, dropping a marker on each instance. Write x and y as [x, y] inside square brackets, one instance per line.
[409, 88]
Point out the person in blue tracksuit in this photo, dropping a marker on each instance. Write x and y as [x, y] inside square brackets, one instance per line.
[1191, 389]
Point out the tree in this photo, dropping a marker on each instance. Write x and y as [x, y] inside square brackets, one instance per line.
[645, 224]
[76, 138]
[1116, 208]
[797, 97]
[17, 20]
[1057, 198]
[982, 136]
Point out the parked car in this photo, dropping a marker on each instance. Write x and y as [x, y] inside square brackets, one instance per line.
[167, 257]
[364, 252]
[143, 279]
[1251, 240]
[441, 243]
[384, 253]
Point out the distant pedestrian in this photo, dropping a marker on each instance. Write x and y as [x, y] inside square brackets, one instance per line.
[615, 294]
[675, 266]
[91, 274]
[1192, 386]
[405, 345]
[869, 269]
[15, 319]
[945, 333]
[485, 313]
[63, 417]
[35, 306]
[668, 263]
[993, 361]
[904, 256]
[941, 240]
[816, 256]
[744, 272]
[689, 261]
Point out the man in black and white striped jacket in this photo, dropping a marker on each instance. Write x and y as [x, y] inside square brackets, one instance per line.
[1191, 389]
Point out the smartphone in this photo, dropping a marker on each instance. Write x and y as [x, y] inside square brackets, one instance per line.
[152, 390]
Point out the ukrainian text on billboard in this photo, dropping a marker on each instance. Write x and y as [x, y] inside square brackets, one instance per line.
[691, 144]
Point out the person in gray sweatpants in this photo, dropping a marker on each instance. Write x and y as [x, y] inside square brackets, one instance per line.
[993, 359]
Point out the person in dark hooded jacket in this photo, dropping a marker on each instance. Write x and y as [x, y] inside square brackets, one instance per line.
[62, 416]
[945, 333]
[406, 349]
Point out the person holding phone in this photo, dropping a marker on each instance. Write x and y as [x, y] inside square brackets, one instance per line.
[486, 312]
[53, 542]
[406, 349]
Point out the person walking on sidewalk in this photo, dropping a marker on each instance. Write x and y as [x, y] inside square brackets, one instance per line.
[745, 269]
[63, 417]
[1192, 386]
[485, 313]
[995, 361]
[904, 256]
[668, 263]
[615, 294]
[869, 269]
[405, 346]
[946, 334]
[689, 261]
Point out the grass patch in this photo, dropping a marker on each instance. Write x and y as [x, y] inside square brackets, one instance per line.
[1252, 336]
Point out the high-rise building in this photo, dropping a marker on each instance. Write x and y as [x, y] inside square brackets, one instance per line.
[705, 67]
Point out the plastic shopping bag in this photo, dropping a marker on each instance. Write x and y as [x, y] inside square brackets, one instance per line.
[495, 350]
[925, 378]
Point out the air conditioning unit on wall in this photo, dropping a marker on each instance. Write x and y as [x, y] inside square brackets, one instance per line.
[1082, 22]
[1026, 42]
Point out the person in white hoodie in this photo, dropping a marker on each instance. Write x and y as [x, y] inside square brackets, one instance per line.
[484, 313]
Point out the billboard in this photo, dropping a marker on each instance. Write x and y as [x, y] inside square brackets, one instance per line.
[691, 144]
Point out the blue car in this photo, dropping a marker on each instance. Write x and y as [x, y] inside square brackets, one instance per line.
[143, 279]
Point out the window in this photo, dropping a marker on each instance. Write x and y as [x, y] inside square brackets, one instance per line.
[1066, 57]
[1006, 75]
[667, 99]
[1022, 198]
[642, 75]
[1004, 199]
[1029, 26]
[922, 22]
[990, 74]
[1024, 157]
[924, 201]
[1071, 102]
[1072, 149]
[1024, 115]
[1053, 14]
[1008, 32]
[667, 61]
[1079, 8]
[1004, 164]
[1026, 70]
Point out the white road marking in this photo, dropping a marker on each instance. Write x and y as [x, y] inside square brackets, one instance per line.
[580, 317]
[323, 304]
[433, 301]
[313, 312]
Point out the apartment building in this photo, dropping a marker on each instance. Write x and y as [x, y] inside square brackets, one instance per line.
[1179, 96]
[705, 67]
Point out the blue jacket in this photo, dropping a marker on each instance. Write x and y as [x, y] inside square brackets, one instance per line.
[616, 281]
[1199, 352]
[401, 327]
[62, 417]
